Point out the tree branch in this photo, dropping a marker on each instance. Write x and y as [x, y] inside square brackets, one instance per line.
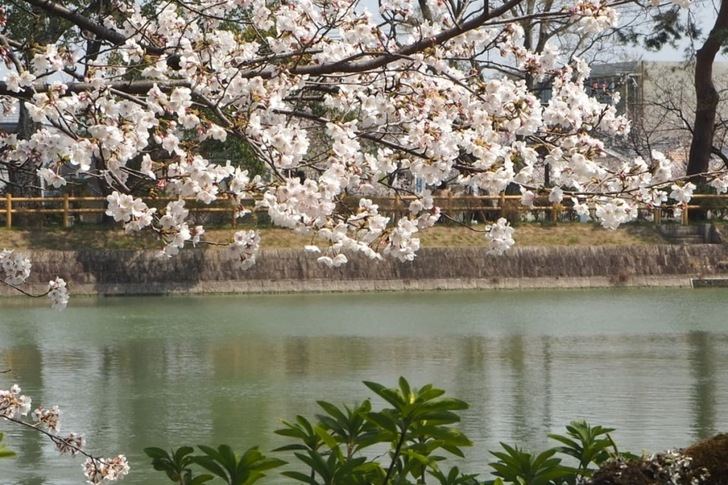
[85, 23]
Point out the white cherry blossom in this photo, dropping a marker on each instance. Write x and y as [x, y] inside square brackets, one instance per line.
[682, 193]
[499, 236]
[101, 470]
[13, 404]
[49, 418]
[245, 247]
[58, 294]
[14, 268]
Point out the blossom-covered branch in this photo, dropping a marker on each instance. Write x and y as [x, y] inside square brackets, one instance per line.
[332, 101]
[15, 408]
[15, 270]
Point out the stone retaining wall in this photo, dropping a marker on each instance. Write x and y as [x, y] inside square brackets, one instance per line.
[214, 271]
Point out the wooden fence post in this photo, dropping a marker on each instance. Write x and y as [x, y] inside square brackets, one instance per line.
[66, 220]
[8, 211]
[685, 215]
[555, 212]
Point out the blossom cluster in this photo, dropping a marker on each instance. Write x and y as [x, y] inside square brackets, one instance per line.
[133, 212]
[594, 15]
[13, 404]
[58, 293]
[245, 247]
[15, 268]
[49, 418]
[100, 470]
[500, 237]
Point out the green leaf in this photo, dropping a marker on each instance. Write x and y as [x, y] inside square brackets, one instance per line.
[212, 466]
[383, 421]
[301, 477]
[326, 437]
[387, 394]
[4, 451]
[332, 410]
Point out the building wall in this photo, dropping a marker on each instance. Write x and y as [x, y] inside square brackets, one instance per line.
[659, 98]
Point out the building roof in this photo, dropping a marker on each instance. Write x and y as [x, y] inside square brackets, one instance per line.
[614, 69]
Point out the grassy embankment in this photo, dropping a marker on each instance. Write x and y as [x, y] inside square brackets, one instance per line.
[440, 236]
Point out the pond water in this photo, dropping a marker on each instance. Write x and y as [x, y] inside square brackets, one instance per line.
[164, 371]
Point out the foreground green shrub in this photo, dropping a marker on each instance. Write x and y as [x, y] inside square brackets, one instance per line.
[406, 442]
[416, 427]
[517, 466]
[221, 462]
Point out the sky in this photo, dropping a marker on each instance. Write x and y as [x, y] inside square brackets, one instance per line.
[704, 11]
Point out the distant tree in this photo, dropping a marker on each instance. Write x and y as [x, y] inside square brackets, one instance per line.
[26, 28]
[671, 25]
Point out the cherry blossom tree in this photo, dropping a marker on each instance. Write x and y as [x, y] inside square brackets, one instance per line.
[338, 103]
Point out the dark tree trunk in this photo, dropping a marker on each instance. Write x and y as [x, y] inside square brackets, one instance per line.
[426, 11]
[23, 180]
[706, 96]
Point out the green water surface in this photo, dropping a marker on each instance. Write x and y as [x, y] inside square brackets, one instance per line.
[164, 371]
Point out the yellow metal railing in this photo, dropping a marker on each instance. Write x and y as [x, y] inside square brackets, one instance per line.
[68, 206]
